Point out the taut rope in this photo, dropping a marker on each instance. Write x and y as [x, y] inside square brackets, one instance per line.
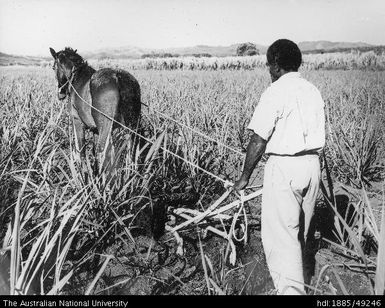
[225, 182]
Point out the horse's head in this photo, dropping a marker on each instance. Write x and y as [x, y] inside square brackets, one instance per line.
[66, 62]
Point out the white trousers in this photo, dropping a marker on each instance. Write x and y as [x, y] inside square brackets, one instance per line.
[290, 190]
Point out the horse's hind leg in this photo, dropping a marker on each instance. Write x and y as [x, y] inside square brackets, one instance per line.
[132, 137]
[105, 149]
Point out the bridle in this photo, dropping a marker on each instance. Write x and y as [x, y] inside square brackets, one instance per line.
[69, 78]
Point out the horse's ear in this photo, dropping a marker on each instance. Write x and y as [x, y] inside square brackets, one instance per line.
[76, 50]
[53, 52]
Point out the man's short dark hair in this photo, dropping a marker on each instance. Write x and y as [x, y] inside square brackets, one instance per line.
[285, 54]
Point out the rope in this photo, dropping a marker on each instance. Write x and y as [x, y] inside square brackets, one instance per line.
[226, 182]
[241, 209]
[195, 131]
[63, 85]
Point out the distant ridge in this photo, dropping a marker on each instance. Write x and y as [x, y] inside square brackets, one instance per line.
[328, 46]
[132, 52]
[6, 59]
[217, 51]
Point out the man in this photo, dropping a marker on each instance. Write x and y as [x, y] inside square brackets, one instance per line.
[289, 126]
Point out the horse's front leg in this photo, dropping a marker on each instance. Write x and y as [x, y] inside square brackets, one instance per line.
[79, 133]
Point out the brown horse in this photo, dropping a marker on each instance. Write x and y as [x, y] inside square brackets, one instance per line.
[112, 93]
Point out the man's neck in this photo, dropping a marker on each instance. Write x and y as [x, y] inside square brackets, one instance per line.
[283, 72]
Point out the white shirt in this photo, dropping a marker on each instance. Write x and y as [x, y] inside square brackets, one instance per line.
[290, 116]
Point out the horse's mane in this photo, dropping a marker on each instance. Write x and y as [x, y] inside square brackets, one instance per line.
[73, 56]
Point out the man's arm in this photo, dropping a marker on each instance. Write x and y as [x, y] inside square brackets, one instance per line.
[255, 150]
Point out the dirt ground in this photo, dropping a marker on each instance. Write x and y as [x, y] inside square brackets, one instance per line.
[158, 269]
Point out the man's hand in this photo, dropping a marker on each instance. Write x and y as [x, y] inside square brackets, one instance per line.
[240, 184]
[255, 150]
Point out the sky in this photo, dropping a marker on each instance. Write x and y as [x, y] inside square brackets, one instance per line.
[30, 27]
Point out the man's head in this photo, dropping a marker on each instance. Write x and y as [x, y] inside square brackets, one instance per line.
[283, 56]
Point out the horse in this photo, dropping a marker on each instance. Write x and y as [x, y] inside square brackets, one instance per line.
[97, 100]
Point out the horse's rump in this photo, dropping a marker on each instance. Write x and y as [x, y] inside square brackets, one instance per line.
[116, 93]
[130, 98]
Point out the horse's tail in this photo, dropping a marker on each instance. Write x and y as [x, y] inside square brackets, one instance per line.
[130, 99]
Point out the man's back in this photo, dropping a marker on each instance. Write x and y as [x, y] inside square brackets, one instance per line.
[290, 115]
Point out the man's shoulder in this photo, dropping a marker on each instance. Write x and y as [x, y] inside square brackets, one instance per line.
[310, 91]
[276, 89]
[272, 89]
[300, 84]
[269, 95]
[306, 82]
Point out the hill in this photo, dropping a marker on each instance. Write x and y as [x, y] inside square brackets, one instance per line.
[6, 59]
[218, 51]
[222, 51]
[125, 52]
[330, 46]
[132, 52]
